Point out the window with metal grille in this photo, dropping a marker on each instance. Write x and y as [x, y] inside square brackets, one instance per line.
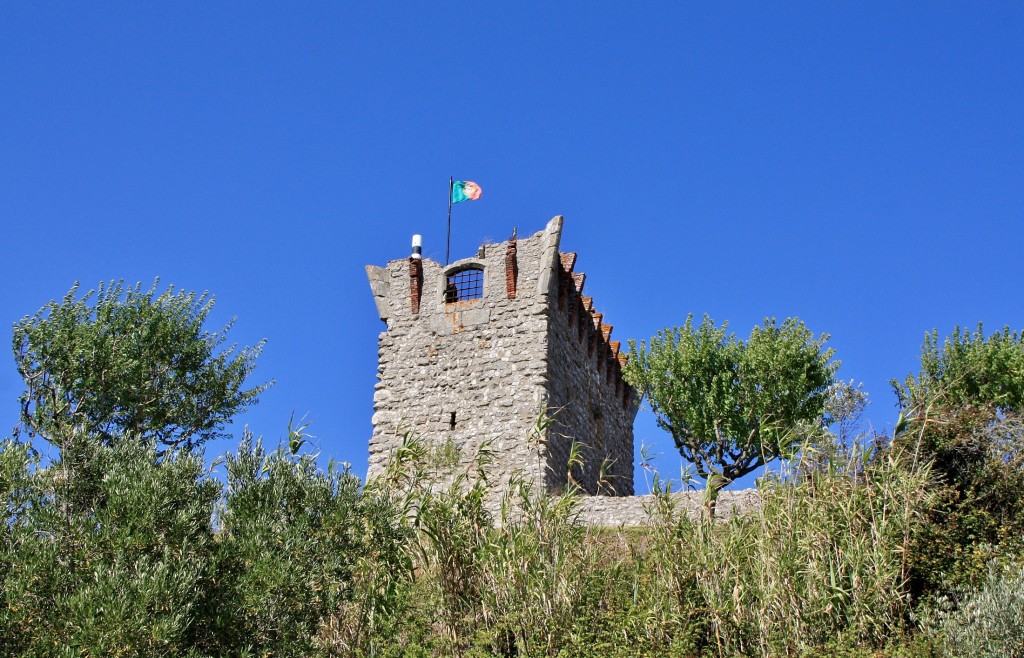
[464, 285]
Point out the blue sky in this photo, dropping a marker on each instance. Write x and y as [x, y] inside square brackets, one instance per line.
[858, 165]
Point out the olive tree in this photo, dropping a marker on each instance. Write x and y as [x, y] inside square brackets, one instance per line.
[731, 405]
[122, 362]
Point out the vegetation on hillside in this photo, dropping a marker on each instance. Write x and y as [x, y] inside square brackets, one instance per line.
[126, 544]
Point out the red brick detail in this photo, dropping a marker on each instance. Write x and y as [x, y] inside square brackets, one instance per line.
[577, 280]
[568, 261]
[511, 269]
[615, 345]
[415, 283]
[606, 331]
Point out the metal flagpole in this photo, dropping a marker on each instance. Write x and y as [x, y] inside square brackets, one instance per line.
[448, 246]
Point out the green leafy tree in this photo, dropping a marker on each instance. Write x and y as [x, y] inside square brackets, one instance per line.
[730, 405]
[964, 411]
[125, 544]
[123, 362]
[968, 369]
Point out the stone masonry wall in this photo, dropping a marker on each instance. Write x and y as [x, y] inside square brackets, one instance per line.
[633, 511]
[459, 375]
[463, 374]
[591, 404]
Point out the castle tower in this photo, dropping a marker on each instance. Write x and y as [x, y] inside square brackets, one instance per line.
[483, 348]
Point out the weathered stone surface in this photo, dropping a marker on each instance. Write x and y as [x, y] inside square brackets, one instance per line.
[484, 371]
[465, 375]
[379, 288]
[633, 511]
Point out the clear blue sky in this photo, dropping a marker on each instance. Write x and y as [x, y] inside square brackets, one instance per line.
[858, 165]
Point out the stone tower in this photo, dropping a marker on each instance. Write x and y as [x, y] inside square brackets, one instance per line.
[483, 348]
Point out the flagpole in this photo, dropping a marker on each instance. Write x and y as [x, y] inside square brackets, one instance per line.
[448, 246]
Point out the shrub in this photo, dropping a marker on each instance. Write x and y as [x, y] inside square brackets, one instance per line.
[963, 412]
[110, 557]
[986, 622]
[289, 537]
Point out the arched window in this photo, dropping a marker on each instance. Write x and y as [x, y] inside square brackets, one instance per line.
[464, 285]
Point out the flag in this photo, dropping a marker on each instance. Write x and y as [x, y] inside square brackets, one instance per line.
[463, 190]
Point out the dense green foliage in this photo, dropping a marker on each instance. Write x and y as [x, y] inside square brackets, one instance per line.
[289, 536]
[969, 369]
[125, 559]
[122, 362]
[126, 544]
[984, 622]
[731, 405]
[963, 412]
[301, 562]
[117, 560]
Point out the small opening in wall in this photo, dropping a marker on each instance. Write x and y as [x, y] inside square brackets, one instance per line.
[464, 285]
[451, 421]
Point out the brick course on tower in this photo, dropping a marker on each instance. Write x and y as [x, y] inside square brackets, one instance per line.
[479, 350]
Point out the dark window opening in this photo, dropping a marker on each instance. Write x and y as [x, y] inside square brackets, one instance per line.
[451, 422]
[464, 285]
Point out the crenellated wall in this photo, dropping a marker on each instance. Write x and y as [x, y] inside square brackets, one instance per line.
[590, 403]
[464, 373]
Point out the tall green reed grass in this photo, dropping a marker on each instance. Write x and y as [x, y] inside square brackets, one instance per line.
[820, 565]
[822, 561]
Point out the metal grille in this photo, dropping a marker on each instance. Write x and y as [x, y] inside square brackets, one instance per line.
[464, 285]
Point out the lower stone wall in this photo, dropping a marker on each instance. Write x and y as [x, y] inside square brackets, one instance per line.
[631, 511]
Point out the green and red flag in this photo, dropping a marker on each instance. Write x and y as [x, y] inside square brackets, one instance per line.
[465, 190]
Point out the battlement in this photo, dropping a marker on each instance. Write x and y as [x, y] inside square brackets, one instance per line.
[478, 350]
